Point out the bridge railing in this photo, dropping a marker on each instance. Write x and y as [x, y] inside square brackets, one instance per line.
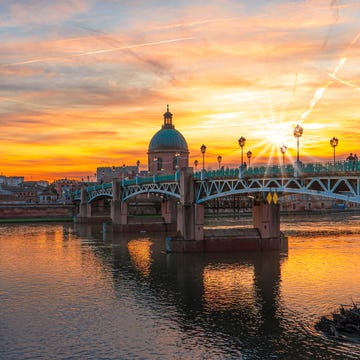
[302, 169]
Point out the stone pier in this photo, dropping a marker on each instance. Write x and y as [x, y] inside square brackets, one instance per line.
[84, 208]
[191, 237]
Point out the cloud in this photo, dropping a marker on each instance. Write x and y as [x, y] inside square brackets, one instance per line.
[27, 12]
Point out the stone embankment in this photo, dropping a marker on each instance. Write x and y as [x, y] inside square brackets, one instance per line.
[26, 212]
[345, 324]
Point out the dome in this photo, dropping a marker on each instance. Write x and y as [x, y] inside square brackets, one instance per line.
[168, 139]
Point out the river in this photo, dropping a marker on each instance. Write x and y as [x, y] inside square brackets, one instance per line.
[76, 292]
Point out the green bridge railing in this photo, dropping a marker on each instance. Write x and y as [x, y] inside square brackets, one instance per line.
[339, 168]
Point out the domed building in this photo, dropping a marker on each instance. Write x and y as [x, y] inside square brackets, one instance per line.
[168, 150]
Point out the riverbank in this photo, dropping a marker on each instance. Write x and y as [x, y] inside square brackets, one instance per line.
[36, 220]
[19, 213]
[344, 325]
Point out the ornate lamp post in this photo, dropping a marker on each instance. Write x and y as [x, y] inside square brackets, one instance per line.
[241, 142]
[203, 149]
[196, 163]
[334, 143]
[298, 131]
[219, 158]
[249, 154]
[283, 151]
[138, 166]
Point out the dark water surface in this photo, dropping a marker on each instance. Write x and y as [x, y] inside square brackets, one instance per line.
[74, 292]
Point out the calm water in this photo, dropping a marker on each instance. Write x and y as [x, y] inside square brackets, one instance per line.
[74, 292]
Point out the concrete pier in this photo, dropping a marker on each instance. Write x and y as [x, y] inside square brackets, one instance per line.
[191, 237]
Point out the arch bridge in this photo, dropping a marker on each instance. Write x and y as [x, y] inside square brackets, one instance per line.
[340, 181]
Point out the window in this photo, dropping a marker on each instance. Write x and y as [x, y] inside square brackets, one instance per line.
[159, 164]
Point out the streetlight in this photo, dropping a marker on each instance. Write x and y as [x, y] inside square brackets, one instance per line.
[334, 143]
[298, 131]
[196, 163]
[283, 151]
[138, 166]
[203, 149]
[241, 142]
[248, 154]
[219, 158]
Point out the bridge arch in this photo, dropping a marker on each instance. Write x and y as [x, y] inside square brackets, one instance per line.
[328, 187]
[169, 190]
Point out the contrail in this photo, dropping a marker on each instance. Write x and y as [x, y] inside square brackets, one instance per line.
[101, 51]
[320, 91]
[342, 81]
[193, 23]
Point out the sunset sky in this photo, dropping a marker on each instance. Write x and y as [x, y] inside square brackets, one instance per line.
[85, 83]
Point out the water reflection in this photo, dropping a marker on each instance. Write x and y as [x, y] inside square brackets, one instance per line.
[122, 296]
[228, 286]
[140, 253]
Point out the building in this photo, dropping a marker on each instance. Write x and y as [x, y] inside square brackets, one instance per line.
[107, 173]
[11, 180]
[168, 150]
[64, 187]
[48, 196]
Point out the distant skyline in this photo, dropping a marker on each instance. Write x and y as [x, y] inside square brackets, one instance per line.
[84, 84]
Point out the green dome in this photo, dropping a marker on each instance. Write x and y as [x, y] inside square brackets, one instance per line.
[168, 139]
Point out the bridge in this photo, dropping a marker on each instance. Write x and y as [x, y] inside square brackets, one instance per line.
[190, 190]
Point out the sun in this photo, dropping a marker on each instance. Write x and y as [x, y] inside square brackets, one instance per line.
[273, 132]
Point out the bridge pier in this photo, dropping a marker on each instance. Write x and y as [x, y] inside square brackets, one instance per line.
[84, 208]
[266, 219]
[168, 211]
[119, 209]
[265, 235]
[190, 216]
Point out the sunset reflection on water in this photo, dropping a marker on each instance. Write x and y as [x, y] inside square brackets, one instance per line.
[140, 253]
[123, 296]
[228, 286]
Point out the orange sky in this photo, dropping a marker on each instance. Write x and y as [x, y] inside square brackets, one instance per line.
[86, 83]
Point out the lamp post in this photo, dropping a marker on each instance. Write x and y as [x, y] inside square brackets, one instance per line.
[298, 131]
[219, 158]
[283, 151]
[196, 163]
[241, 142]
[249, 154]
[138, 167]
[334, 143]
[203, 149]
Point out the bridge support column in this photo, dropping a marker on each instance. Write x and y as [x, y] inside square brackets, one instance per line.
[168, 211]
[266, 219]
[119, 211]
[199, 221]
[185, 213]
[190, 218]
[85, 207]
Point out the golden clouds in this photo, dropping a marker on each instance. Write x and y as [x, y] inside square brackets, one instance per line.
[89, 88]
